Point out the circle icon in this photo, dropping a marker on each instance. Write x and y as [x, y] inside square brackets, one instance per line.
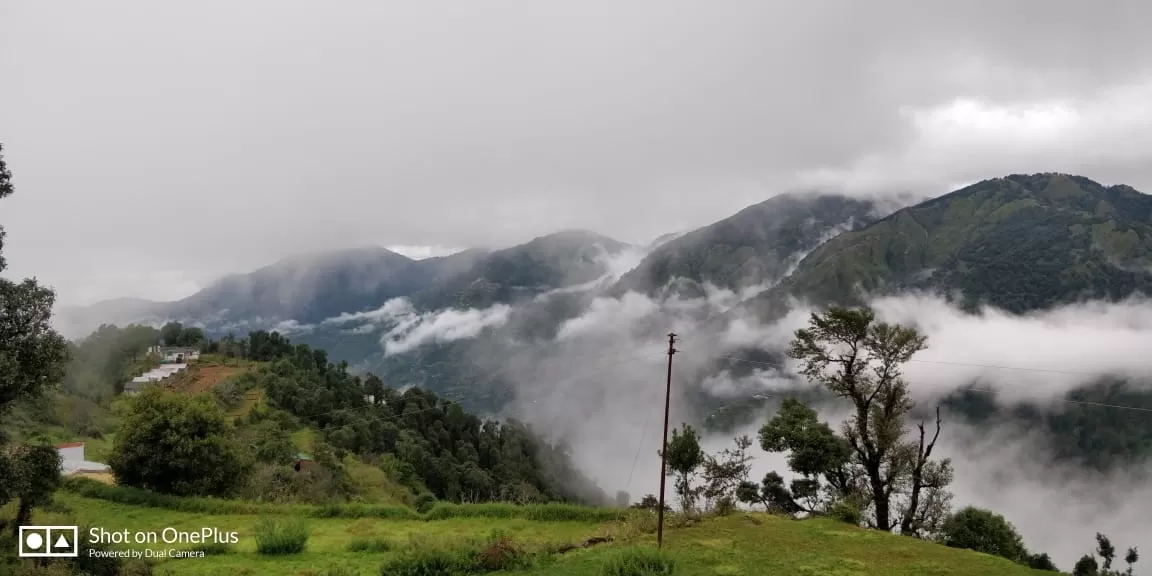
[34, 541]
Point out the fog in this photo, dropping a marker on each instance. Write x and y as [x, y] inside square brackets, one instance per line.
[599, 385]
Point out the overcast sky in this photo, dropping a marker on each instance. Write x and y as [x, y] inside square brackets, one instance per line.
[157, 145]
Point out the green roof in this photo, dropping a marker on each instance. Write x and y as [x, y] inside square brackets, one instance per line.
[303, 456]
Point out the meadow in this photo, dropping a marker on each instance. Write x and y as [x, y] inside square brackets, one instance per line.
[558, 540]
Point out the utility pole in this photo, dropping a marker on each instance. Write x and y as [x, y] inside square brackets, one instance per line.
[664, 450]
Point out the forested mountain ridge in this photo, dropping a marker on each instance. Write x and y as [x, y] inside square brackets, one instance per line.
[310, 288]
[1020, 243]
[754, 246]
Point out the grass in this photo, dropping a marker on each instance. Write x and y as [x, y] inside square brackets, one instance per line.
[281, 536]
[538, 541]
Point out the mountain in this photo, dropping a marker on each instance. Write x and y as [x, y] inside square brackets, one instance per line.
[307, 289]
[756, 246]
[1022, 242]
[558, 260]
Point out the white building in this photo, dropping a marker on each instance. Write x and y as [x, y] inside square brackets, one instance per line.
[72, 460]
[154, 375]
[174, 354]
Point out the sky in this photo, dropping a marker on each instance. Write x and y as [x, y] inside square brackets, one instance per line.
[157, 146]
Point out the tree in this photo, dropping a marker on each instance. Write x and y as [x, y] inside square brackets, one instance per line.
[178, 445]
[983, 531]
[32, 359]
[859, 359]
[684, 459]
[725, 472]
[1088, 566]
[35, 477]
[814, 452]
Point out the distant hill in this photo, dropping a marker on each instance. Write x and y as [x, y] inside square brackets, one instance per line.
[566, 258]
[1023, 242]
[310, 288]
[757, 245]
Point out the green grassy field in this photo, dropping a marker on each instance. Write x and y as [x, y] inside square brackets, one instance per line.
[739, 544]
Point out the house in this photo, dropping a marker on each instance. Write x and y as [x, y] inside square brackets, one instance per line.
[303, 462]
[72, 460]
[152, 376]
[175, 354]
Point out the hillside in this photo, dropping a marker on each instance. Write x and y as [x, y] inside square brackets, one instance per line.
[360, 540]
[566, 258]
[1020, 243]
[757, 245]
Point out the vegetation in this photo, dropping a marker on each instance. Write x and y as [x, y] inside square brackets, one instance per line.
[753, 246]
[1079, 238]
[1089, 566]
[32, 359]
[175, 444]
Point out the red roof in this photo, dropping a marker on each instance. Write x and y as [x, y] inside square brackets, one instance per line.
[70, 445]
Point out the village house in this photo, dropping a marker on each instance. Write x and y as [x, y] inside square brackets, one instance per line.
[175, 354]
[152, 376]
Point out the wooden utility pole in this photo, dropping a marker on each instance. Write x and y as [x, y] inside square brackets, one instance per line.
[664, 449]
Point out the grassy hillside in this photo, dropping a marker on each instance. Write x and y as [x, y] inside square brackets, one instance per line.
[739, 544]
[1019, 243]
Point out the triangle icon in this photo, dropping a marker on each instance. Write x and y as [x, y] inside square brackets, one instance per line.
[61, 542]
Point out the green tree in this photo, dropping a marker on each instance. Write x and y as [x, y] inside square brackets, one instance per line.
[32, 359]
[36, 475]
[1088, 566]
[983, 531]
[685, 457]
[859, 359]
[178, 445]
[815, 452]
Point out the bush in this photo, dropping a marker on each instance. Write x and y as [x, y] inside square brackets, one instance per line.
[276, 537]
[424, 502]
[429, 562]
[639, 562]
[725, 506]
[214, 548]
[848, 512]
[501, 553]
[369, 545]
[983, 531]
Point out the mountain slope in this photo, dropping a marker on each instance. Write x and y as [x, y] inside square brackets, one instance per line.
[306, 288]
[756, 245]
[1021, 243]
[548, 262]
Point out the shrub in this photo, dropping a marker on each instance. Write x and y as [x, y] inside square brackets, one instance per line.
[725, 506]
[501, 553]
[429, 562]
[424, 502]
[276, 537]
[214, 548]
[848, 512]
[639, 562]
[983, 531]
[369, 545]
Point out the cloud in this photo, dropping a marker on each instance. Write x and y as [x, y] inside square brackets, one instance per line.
[600, 386]
[1079, 134]
[414, 330]
[423, 252]
[421, 130]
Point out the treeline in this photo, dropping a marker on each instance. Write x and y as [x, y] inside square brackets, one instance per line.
[433, 443]
[427, 444]
[871, 472]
